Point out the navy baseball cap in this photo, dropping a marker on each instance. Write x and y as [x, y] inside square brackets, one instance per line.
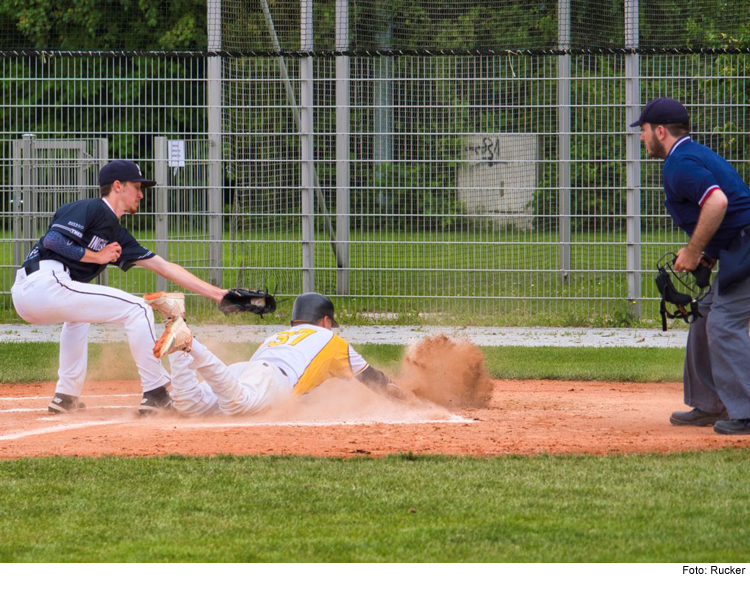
[663, 110]
[123, 171]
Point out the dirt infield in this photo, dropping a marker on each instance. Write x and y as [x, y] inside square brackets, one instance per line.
[522, 417]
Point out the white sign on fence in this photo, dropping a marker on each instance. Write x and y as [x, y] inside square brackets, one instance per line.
[499, 176]
[176, 153]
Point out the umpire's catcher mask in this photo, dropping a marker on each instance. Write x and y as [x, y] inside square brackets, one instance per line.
[683, 290]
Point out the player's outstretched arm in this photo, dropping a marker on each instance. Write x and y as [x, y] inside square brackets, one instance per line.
[379, 382]
[182, 277]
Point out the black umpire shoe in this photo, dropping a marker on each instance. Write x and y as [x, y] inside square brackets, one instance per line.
[697, 418]
[155, 401]
[62, 403]
[734, 427]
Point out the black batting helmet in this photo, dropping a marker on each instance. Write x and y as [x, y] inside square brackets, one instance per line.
[311, 307]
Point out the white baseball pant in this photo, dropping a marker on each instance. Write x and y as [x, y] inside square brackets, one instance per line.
[50, 296]
[242, 388]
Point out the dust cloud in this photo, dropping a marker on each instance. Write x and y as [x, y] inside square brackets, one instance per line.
[449, 373]
[437, 374]
[114, 362]
[350, 400]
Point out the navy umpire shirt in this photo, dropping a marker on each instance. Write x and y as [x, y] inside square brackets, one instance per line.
[90, 223]
[691, 173]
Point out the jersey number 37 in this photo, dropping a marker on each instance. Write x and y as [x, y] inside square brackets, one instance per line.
[297, 336]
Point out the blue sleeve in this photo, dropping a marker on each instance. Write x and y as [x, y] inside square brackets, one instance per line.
[690, 180]
[71, 220]
[63, 246]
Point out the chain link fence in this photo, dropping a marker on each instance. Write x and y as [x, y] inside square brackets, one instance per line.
[416, 161]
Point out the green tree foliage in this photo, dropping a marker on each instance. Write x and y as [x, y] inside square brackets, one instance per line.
[103, 24]
[425, 24]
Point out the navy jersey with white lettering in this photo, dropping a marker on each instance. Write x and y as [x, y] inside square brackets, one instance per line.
[92, 224]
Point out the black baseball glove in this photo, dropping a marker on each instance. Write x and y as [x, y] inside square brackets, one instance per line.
[244, 300]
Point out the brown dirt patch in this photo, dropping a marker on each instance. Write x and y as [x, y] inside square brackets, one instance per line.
[521, 417]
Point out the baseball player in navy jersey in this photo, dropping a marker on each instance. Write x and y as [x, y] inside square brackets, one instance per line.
[288, 364]
[709, 201]
[53, 285]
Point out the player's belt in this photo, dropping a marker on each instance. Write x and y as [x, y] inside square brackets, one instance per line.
[34, 265]
[31, 267]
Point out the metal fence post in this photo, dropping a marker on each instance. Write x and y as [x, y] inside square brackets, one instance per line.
[343, 129]
[102, 155]
[307, 147]
[215, 151]
[633, 157]
[161, 177]
[382, 117]
[30, 188]
[563, 136]
[18, 254]
[326, 219]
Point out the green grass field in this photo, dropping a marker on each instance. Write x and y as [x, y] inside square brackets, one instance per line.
[688, 507]
[675, 508]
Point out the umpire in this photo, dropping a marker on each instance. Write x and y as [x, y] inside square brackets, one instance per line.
[53, 285]
[709, 201]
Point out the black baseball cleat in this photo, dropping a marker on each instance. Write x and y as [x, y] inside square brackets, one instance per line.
[733, 427]
[63, 403]
[155, 401]
[697, 418]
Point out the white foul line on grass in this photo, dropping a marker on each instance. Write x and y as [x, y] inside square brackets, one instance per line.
[57, 429]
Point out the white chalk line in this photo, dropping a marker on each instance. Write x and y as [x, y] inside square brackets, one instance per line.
[453, 419]
[44, 408]
[49, 396]
[57, 429]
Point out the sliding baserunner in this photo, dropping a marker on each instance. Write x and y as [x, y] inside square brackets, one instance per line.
[289, 363]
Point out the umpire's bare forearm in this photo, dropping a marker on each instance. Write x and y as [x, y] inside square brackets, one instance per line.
[712, 214]
[182, 277]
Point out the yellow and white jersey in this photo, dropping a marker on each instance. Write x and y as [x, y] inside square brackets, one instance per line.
[309, 355]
